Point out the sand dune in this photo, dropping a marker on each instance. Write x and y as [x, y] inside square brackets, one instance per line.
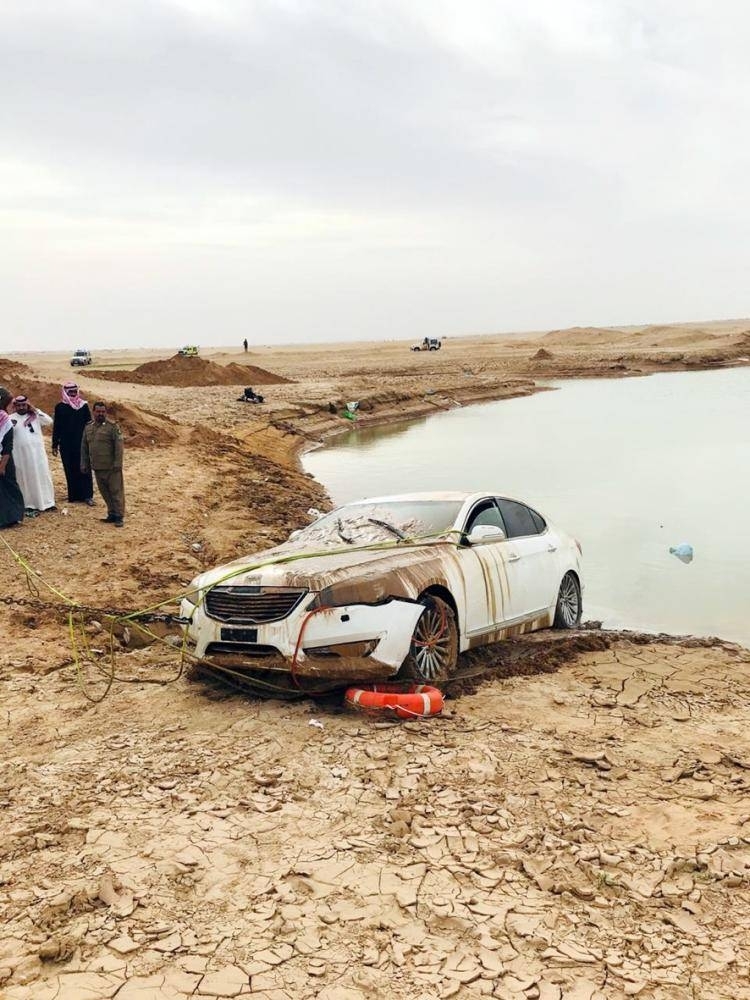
[192, 371]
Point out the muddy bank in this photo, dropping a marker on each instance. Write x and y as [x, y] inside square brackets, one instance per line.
[312, 425]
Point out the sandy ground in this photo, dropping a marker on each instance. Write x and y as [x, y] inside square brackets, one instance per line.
[575, 826]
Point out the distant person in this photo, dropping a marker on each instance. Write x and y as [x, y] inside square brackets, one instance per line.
[32, 467]
[101, 450]
[11, 498]
[244, 344]
[71, 416]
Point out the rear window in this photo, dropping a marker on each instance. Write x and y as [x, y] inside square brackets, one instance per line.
[519, 520]
[539, 522]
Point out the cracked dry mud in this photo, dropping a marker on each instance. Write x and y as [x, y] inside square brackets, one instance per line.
[579, 834]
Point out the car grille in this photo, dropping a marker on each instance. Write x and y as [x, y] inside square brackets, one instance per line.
[252, 605]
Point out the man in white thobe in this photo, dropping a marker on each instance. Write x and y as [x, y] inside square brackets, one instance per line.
[32, 466]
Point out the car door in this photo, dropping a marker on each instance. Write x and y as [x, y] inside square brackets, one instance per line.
[483, 568]
[532, 559]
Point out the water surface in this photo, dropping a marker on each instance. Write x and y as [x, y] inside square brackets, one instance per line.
[628, 466]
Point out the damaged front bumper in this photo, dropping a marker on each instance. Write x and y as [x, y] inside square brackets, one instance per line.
[352, 641]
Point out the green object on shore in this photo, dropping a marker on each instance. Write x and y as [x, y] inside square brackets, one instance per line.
[348, 414]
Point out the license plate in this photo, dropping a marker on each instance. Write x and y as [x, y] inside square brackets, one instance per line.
[239, 635]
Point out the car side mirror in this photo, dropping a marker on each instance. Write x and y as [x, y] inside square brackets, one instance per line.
[480, 534]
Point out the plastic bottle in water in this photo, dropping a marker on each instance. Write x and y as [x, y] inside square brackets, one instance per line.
[683, 551]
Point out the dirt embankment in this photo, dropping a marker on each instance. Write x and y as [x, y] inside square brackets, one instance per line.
[141, 428]
[187, 371]
[12, 372]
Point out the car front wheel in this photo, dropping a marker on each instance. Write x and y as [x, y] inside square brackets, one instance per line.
[568, 609]
[434, 645]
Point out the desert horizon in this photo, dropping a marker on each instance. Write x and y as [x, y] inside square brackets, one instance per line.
[696, 325]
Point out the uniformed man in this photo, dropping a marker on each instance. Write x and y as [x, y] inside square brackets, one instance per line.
[101, 450]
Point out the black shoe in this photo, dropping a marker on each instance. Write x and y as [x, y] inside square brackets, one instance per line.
[90, 502]
[108, 519]
[118, 522]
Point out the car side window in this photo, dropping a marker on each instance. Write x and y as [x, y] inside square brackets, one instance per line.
[518, 518]
[485, 512]
[539, 523]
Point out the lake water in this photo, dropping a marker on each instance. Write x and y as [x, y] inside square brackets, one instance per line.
[630, 467]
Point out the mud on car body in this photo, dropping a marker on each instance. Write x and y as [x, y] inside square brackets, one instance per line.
[388, 586]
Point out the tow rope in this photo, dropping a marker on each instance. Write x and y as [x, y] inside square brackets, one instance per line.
[78, 614]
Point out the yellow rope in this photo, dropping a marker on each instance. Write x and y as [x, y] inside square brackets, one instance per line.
[34, 578]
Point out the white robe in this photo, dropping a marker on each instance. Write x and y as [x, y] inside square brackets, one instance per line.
[32, 466]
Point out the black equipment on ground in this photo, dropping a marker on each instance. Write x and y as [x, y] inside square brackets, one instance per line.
[250, 396]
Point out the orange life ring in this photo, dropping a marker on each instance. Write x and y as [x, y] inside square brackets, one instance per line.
[410, 702]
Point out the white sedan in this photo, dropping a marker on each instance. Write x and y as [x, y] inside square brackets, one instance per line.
[396, 585]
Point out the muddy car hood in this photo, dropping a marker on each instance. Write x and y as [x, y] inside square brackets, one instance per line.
[320, 571]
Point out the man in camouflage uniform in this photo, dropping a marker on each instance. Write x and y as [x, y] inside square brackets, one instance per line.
[101, 450]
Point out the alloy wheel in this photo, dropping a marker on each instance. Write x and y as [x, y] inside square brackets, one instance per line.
[433, 645]
[569, 602]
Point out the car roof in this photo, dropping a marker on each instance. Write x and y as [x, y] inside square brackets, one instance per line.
[457, 496]
[454, 495]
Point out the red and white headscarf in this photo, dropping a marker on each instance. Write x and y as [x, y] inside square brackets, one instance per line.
[76, 401]
[31, 413]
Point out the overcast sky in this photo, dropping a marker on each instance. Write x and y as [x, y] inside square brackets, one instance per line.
[176, 171]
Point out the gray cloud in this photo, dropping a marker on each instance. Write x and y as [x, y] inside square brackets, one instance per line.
[184, 170]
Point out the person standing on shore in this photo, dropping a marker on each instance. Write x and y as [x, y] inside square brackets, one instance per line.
[11, 498]
[71, 416]
[32, 467]
[101, 450]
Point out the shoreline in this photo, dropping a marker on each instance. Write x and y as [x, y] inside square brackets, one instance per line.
[329, 431]
[334, 430]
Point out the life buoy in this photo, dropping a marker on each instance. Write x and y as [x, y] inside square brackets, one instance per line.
[410, 702]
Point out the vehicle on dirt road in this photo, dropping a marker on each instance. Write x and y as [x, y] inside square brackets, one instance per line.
[189, 351]
[80, 358]
[392, 586]
[428, 344]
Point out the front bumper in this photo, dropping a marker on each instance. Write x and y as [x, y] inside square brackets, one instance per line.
[312, 641]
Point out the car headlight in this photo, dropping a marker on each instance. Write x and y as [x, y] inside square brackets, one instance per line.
[192, 598]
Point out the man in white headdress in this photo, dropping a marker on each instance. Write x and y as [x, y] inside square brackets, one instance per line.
[32, 466]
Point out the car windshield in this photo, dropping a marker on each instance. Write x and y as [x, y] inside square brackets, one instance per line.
[365, 523]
